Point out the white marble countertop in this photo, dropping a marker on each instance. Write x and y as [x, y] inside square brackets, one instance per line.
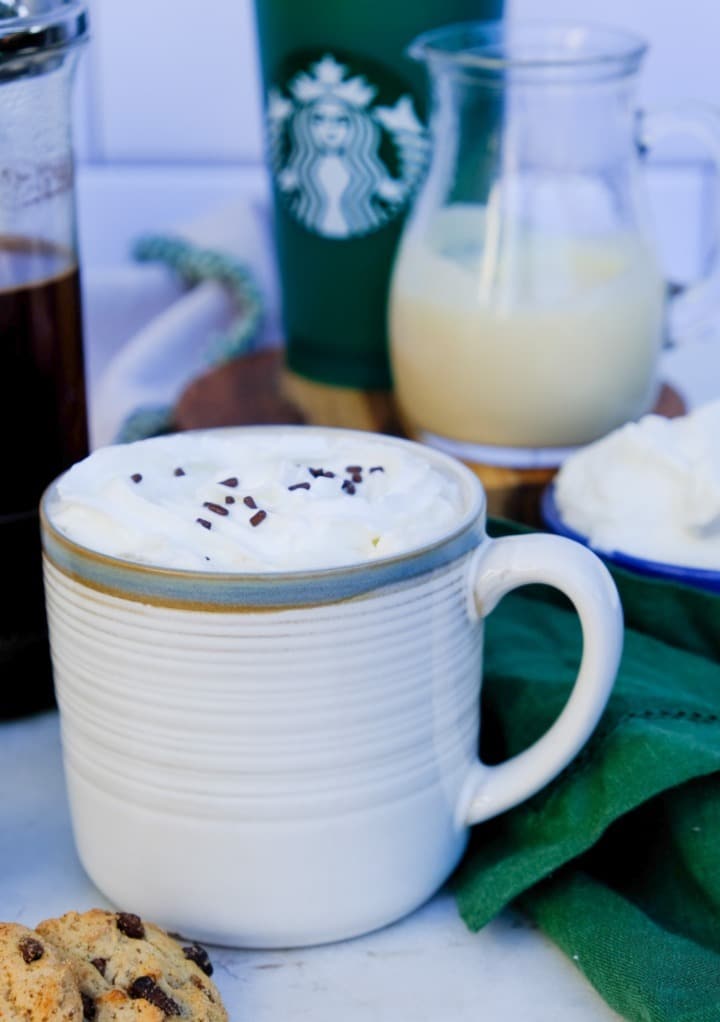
[426, 968]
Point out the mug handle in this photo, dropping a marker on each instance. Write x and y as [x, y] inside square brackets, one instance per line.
[501, 565]
[693, 307]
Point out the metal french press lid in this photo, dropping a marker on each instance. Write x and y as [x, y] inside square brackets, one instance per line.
[33, 30]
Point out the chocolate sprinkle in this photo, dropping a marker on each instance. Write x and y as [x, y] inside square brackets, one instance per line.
[353, 468]
[229, 499]
[146, 988]
[204, 522]
[89, 1009]
[100, 964]
[320, 473]
[348, 487]
[196, 953]
[258, 517]
[179, 472]
[249, 502]
[30, 949]
[131, 925]
[299, 486]
[357, 477]
[231, 481]
[136, 477]
[377, 468]
[217, 509]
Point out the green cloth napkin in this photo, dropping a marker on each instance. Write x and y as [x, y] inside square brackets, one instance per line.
[618, 860]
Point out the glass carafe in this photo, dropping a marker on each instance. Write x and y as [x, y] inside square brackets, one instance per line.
[42, 386]
[528, 308]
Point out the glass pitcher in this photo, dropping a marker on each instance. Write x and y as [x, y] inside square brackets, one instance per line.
[527, 306]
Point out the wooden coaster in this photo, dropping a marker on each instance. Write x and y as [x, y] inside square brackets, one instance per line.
[515, 493]
[670, 403]
[242, 392]
[327, 405]
[258, 388]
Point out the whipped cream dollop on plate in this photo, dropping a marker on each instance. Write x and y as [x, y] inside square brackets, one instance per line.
[650, 489]
[241, 500]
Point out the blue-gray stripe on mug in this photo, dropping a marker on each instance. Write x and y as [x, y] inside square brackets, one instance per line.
[230, 591]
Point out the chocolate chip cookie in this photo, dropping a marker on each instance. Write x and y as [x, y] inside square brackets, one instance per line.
[128, 969]
[36, 982]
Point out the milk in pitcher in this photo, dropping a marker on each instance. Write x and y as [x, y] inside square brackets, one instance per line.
[517, 338]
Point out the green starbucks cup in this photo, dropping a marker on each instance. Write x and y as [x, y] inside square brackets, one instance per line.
[347, 149]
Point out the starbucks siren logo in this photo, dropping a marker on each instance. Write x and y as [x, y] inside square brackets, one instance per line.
[325, 139]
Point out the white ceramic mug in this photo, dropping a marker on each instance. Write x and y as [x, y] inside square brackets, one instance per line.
[286, 759]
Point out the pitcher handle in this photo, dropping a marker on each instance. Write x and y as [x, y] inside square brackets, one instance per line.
[694, 306]
[504, 564]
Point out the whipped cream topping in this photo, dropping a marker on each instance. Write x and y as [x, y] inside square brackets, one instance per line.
[650, 489]
[253, 501]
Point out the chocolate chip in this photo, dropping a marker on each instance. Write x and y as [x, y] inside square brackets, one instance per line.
[258, 517]
[299, 486]
[217, 509]
[249, 502]
[348, 487]
[89, 1008]
[131, 925]
[30, 949]
[136, 477]
[231, 481]
[229, 499]
[179, 471]
[377, 468]
[100, 964]
[204, 522]
[197, 954]
[146, 988]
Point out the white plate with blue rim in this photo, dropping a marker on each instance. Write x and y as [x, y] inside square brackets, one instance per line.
[703, 578]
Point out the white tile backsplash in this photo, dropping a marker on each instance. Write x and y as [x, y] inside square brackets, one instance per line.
[683, 40]
[173, 81]
[178, 81]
